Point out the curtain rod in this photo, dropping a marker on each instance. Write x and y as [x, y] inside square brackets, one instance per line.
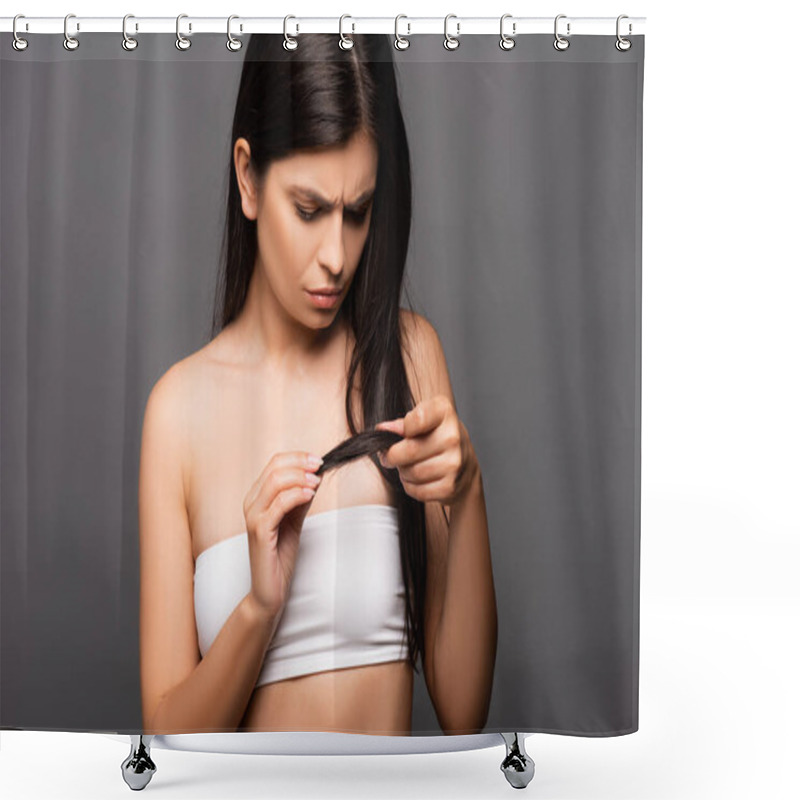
[406, 26]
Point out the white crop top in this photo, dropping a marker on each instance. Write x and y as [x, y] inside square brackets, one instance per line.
[346, 601]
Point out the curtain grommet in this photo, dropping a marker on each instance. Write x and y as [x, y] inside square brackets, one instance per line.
[182, 43]
[507, 42]
[289, 42]
[622, 44]
[18, 43]
[70, 42]
[233, 44]
[451, 42]
[560, 42]
[128, 42]
[400, 42]
[345, 42]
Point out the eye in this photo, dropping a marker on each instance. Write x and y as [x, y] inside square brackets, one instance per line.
[358, 217]
[308, 216]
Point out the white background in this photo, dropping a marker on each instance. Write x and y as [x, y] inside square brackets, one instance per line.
[719, 696]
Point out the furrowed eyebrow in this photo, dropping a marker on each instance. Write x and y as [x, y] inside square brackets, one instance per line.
[326, 205]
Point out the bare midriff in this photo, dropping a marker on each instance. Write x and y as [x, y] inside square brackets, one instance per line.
[372, 699]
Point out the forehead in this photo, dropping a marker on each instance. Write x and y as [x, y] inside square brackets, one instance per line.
[338, 173]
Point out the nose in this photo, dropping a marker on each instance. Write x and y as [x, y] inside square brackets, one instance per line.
[332, 251]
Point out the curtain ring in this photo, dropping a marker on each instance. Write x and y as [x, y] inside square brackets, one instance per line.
[345, 42]
[182, 43]
[128, 42]
[233, 44]
[623, 44]
[18, 42]
[451, 42]
[70, 42]
[560, 42]
[289, 43]
[401, 43]
[506, 41]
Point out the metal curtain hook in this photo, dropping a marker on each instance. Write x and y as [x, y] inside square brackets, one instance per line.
[289, 43]
[18, 42]
[345, 42]
[506, 41]
[623, 44]
[70, 42]
[128, 42]
[400, 42]
[233, 44]
[451, 42]
[182, 43]
[560, 42]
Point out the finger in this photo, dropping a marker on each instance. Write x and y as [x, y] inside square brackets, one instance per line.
[409, 451]
[395, 425]
[281, 479]
[280, 505]
[275, 482]
[295, 458]
[426, 415]
[438, 490]
[428, 470]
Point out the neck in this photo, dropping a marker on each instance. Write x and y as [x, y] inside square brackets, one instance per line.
[272, 338]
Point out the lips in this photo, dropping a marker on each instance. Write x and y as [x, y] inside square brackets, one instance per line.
[325, 291]
[324, 299]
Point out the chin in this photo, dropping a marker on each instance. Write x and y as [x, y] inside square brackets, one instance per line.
[322, 321]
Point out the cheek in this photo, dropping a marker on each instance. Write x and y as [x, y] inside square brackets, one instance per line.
[357, 238]
[284, 243]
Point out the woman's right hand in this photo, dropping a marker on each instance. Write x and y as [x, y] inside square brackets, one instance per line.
[274, 510]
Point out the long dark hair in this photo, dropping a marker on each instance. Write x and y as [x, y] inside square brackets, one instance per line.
[314, 97]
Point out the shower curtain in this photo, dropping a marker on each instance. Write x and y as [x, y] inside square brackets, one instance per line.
[523, 253]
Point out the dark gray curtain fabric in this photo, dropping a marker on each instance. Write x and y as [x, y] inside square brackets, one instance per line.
[525, 255]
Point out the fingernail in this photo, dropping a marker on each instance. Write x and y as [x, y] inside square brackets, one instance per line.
[314, 461]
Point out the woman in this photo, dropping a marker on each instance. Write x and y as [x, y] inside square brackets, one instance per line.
[309, 347]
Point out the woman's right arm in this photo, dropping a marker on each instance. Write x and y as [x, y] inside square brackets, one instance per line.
[182, 693]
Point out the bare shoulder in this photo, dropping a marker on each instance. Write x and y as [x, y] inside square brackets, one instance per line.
[167, 390]
[169, 416]
[423, 353]
[171, 392]
[185, 378]
[162, 427]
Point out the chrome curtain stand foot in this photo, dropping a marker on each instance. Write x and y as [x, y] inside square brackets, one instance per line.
[138, 767]
[517, 766]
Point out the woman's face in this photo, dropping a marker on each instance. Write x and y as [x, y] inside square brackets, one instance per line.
[312, 213]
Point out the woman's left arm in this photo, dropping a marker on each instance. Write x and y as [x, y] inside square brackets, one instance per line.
[466, 641]
[437, 464]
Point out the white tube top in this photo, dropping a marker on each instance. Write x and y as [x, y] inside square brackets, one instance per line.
[346, 601]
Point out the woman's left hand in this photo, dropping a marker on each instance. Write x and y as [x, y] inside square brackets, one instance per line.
[435, 460]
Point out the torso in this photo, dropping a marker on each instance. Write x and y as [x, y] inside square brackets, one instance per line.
[239, 418]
